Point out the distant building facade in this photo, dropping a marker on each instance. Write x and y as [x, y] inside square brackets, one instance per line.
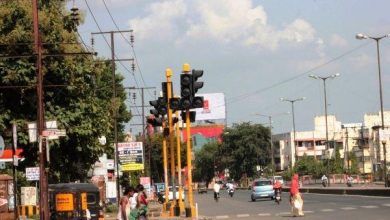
[363, 140]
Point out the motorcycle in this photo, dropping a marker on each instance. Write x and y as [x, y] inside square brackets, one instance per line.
[349, 183]
[278, 195]
[216, 196]
[324, 183]
[231, 192]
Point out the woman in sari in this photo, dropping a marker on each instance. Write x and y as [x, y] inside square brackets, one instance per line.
[295, 197]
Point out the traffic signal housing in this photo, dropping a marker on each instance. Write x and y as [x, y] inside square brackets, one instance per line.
[186, 91]
[197, 101]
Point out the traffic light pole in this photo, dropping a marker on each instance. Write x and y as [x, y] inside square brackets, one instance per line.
[165, 161]
[168, 74]
[178, 144]
[189, 162]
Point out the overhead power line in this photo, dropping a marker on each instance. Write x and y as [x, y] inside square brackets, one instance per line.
[131, 44]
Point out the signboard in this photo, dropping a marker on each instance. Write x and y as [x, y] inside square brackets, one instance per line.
[131, 156]
[384, 135]
[32, 130]
[28, 195]
[32, 173]
[83, 201]
[213, 107]
[64, 202]
[145, 181]
[2, 146]
[53, 133]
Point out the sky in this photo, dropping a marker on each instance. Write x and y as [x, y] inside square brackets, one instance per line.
[253, 51]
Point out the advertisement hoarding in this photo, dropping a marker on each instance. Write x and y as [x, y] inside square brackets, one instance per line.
[213, 107]
[131, 156]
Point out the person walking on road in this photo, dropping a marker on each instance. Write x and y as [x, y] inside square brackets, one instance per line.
[124, 204]
[217, 187]
[295, 197]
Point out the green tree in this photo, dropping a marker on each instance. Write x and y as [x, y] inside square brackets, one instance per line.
[337, 162]
[77, 90]
[205, 162]
[244, 146]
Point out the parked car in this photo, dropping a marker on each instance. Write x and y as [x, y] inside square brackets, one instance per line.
[202, 187]
[262, 188]
[279, 178]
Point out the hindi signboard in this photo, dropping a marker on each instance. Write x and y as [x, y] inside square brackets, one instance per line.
[32, 173]
[131, 156]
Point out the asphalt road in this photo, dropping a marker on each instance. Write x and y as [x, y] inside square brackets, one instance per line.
[316, 206]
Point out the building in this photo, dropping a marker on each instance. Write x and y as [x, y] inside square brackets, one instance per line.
[364, 140]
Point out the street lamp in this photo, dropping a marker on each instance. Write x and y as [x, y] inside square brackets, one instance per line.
[326, 111]
[270, 133]
[293, 118]
[377, 39]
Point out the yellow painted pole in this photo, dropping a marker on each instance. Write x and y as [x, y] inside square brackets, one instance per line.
[189, 162]
[168, 74]
[178, 147]
[165, 160]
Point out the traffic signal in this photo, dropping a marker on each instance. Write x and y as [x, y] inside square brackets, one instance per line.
[154, 111]
[192, 116]
[186, 91]
[155, 122]
[174, 104]
[196, 74]
[197, 101]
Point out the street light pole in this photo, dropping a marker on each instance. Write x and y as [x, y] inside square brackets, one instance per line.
[377, 39]
[293, 118]
[326, 113]
[271, 141]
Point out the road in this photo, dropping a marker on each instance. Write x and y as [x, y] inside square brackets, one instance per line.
[316, 206]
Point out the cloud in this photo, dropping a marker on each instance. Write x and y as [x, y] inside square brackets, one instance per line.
[221, 21]
[338, 41]
[161, 19]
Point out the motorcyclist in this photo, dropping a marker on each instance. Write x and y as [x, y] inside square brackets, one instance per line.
[277, 187]
[324, 180]
[229, 186]
[349, 180]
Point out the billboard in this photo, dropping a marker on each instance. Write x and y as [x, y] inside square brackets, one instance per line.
[213, 107]
[131, 156]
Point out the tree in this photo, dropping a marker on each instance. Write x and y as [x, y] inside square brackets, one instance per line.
[337, 162]
[205, 162]
[244, 146]
[77, 90]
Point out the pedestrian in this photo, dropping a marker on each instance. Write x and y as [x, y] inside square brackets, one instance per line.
[217, 187]
[124, 204]
[295, 197]
[134, 206]
[142, 203]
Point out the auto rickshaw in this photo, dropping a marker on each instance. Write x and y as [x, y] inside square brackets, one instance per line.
[75, 201]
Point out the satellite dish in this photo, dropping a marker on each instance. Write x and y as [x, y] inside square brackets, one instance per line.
[2, 145]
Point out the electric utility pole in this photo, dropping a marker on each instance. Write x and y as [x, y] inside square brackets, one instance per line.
[113, 59]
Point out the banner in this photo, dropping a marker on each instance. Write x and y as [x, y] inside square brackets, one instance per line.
[131, 156]
[213, 107]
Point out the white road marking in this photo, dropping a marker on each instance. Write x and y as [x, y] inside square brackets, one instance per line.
[386, 205]
[221, 216]
[308, 211]
[327, 210]
[369, 206]
[264, 214]
[283, 213]
[242, 215]
[348, 208]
